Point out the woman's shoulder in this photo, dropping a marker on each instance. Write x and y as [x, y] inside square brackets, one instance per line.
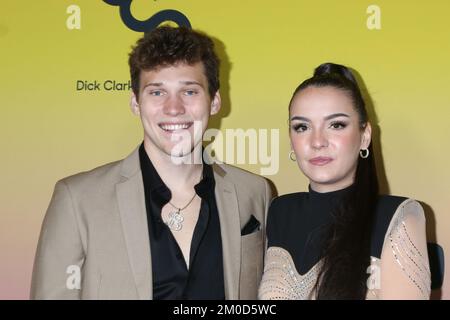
[390, 209]
[402, 250]
[289, 199]
[283, 209]
[287, 203]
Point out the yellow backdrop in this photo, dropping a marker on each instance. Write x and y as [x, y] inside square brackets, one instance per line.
[49, 129]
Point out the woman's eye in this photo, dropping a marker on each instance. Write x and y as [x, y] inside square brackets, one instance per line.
[338, 125]
[300, 127]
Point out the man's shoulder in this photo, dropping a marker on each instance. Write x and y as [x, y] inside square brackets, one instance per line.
[240, 176]
[97, 181]
[103, 172]
[104, 176]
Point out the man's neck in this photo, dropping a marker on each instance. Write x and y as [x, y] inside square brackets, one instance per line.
[177, 175]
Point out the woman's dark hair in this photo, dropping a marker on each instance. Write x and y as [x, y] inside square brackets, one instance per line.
[346, 254]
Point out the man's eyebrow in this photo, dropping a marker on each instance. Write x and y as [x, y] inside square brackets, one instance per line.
[153, 84]
[191, 83]
[159, 84]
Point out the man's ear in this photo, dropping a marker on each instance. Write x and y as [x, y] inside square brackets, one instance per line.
[366, 136]
[134, 105]
[216, 103]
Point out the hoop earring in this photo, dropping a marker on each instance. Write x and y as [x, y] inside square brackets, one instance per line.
[364, 153]
[290, 156]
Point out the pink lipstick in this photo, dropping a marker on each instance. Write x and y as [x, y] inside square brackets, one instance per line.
[320, 161]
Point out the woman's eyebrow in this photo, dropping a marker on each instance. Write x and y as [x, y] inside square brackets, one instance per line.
[336, 115]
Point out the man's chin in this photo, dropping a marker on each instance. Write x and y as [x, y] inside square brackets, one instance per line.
[185, 154]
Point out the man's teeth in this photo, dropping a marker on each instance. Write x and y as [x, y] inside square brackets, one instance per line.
[172, 127]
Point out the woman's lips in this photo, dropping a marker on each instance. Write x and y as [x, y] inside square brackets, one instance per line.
[320, 161]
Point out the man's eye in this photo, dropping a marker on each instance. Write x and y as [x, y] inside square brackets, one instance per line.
[156, 93]
[338, 125]
[300, 127]
[190, 92]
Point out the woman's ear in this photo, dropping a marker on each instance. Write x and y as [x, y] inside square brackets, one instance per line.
[134, 105]
[366, 136]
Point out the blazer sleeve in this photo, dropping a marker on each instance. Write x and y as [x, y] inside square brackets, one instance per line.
[404, 267]
[60, 256]
[268, 200]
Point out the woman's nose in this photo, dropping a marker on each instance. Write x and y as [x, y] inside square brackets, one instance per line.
[319, 139]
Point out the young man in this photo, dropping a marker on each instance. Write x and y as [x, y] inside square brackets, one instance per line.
[158, 225]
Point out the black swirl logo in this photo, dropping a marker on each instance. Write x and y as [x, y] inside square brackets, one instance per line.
[152, 22]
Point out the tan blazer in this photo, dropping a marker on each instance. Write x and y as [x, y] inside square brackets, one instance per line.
[95, 230]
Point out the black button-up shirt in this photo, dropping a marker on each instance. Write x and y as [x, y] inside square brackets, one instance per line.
[171, 278]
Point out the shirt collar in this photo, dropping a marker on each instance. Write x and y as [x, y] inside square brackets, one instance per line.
[152, 181]
[160, 192]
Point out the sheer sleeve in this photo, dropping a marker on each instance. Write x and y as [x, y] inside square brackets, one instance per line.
[404, 267]
[281, 281]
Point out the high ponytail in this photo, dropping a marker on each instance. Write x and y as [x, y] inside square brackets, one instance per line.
[346, 253]
[330, 69]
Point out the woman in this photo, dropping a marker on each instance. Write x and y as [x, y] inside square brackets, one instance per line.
[342, 239]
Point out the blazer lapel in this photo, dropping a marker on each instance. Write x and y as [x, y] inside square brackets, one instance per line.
[227, 205]
[131, 200]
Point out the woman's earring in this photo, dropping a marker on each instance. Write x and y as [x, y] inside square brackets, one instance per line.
[291, 156]
[364, 153]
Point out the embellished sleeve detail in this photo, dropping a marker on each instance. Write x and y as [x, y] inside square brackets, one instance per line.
[281, 280]
[405, 271]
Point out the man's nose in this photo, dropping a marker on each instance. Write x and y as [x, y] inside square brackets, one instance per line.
[174, 106]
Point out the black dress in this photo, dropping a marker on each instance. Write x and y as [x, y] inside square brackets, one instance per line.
[296, 227]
